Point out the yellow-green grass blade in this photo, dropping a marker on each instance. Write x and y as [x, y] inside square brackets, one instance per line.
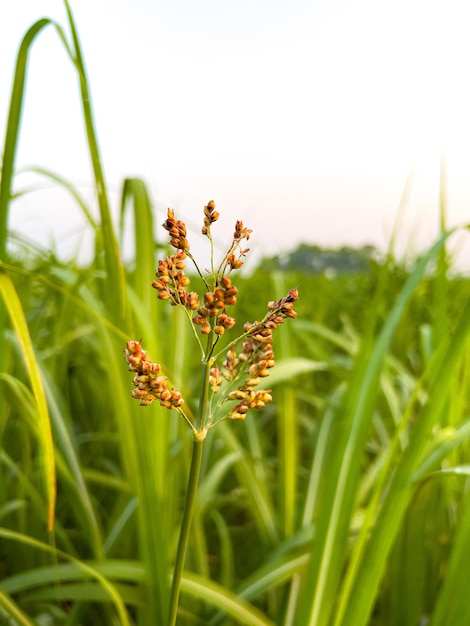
[30, 496]
[227, 549]
[18, 321]
[441, 297]
[260, 500]
[9, 154]
[378, 477]
[287, 423]
[146, 454]
[448, 440]
[209, 485]
[9, 609]
[135, 192]
[92, 572]
[69, 187]
[119, 526]
[111, 569]
[340, 465]
[452, 605]
[115, 280]
[89, 306]
[129, 572]
[85, 592]
[22, 401]
[13, 127]
[399, 490]
[223, 599]
[290, 369]
[70, 470]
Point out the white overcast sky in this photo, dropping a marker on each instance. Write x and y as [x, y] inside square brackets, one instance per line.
[303, 118]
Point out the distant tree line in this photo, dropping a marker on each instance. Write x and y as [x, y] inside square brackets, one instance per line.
[313, 259]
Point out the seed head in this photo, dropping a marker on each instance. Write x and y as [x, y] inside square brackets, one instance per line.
[210, 216]
[149, 385]
[177, 230]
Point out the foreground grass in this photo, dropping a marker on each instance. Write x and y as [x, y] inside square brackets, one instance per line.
[344, 504]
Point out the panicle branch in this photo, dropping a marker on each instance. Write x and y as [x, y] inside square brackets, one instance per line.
[148, 383]
[236, 378]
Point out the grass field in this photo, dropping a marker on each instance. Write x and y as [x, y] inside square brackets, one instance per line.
[344, 502]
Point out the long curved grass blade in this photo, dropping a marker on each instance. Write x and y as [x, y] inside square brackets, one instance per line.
[120, 524]
[111, 569]
[13, 127]
[135, 191]
[103, 571]
[342, 460]
[9, 150]
[223, 599]
[73, 473]
[451, 439]
[115, 280]
[91, 571]
[69, 187]
[452, 606]
[287, 426]
[399, 490]
[95, 312]
[9, 609]
[85, 592]
[387, 467]
[18, 320]
[289, 368]
[262, 505]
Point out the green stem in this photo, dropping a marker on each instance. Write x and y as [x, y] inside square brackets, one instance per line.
[191, 492]
[185, 528]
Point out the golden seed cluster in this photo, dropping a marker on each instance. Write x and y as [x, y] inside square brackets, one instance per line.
[171, 282]
[149, 385]
[177, 230]
[242, 371]
[210, 216]
[256, 359]
[215, 303]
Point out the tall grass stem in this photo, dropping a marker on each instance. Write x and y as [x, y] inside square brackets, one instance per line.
[191, 492]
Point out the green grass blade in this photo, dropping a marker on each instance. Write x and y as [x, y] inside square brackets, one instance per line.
[74, 476]
[9, 609]
[262, 507]
[111, 569]
[452, 606]
[144, 436]
[450, 439]
[399, 490]
[115, 280]
[135, 191]
[287, 426]
[18, 320]
[342, 461]
[13, 127]
[9, 152]
[114, 596]
[223, 599]
[69, 187]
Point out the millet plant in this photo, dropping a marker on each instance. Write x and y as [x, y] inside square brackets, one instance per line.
[231, 376]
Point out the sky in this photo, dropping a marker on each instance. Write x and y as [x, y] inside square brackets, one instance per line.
[312, 121]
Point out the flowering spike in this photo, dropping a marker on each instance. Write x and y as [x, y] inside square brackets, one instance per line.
[210, 216]
[236, 379]
[149, 385]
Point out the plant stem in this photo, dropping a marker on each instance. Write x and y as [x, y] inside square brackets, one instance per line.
[191, 491]
[185, 528]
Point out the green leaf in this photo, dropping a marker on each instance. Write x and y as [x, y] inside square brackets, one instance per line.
[18, 321]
